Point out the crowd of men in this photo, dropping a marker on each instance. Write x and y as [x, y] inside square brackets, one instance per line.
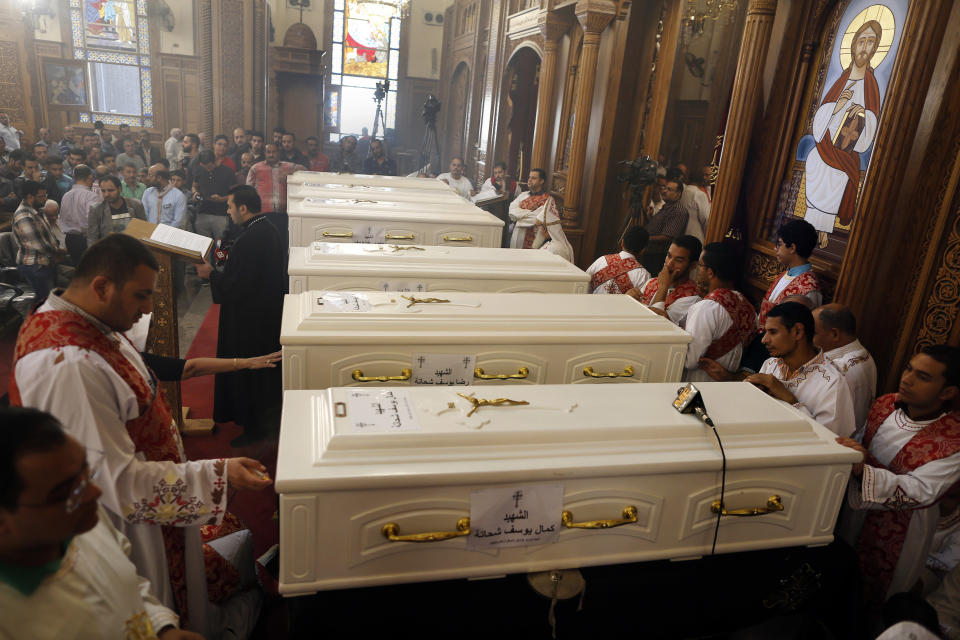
[78, 374]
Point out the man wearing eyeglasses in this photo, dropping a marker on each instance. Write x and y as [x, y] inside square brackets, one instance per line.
[64, 568]
[73, 360]
[668, 223]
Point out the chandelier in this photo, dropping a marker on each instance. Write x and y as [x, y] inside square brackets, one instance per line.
[699, 11]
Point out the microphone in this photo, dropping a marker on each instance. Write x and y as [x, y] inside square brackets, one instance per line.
[690, 400]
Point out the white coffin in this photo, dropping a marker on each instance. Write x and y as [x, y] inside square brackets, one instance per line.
[542, 338]
[371, 192]
[368, 267]
[345, 220]
[339, 486]
[324, 177]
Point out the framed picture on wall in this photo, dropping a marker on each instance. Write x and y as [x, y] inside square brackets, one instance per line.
[65, 82]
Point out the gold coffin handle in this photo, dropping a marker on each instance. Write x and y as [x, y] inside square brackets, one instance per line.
[773, 504]
[629, 516]
[391, 531]
[458, 238]
[332, 234]
[408, 236]
[521, 373]
[626, 373]
[404, 375]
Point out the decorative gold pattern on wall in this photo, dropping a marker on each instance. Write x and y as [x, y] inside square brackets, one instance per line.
[11, 84]
[943, 304]
[763, 267]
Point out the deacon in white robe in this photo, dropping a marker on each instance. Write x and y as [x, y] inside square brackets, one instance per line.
[538, 225]
[85, 393]
[820, 390]
[836, 336]
[917, 491]
[860, 371]
[95, 594]
[620, 279]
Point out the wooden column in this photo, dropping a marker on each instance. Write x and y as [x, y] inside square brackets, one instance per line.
[594, 16]
[205, 38]
[552, 26]
[871, 254]
[744, 104]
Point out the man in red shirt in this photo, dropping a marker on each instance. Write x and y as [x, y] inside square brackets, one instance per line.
[269, 178]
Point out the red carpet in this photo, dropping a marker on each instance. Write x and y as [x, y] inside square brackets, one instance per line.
[254, 508]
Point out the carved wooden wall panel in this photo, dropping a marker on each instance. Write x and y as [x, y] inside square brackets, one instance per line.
[231, 54]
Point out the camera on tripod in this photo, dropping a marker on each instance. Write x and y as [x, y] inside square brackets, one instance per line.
[381, 91]
[431, 107]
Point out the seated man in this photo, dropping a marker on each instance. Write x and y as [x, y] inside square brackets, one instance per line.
[800, 375]
[64, 569]
[672, 292]
[498, 184]
[114, 213]
[379, 163]
[537, 222]
[836, 336]
[911, 448]
[456, 180]
[620, 272]
[724, 321]
[72, 361]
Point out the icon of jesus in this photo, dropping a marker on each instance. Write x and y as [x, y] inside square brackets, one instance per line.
[844, 127]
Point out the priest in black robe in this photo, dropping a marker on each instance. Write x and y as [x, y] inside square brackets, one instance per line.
[250, 291]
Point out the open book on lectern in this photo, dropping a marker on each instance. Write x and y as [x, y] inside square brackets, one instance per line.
[185, 244]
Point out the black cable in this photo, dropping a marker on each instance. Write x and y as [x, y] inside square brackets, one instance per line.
[723, 485]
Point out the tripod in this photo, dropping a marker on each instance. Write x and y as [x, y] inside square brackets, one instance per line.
[429, 148]
[379, 117]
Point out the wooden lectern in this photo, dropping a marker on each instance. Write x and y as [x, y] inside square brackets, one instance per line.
[500, 207]
[164, 336]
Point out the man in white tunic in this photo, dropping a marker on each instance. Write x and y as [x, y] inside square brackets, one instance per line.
[73, 361]
[673, 292]
[911, 447]
[537, 222]
[800, 375]
[843, 127]
[64, 570]
[724, 321]
[498, 184]
[836, 336]
[456, 180]
[621, 272]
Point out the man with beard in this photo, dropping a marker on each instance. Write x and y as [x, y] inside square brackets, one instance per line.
[316, 160]
[498, 184]
[250, 292]
[347, 160]
[379, 163]
[114, 213]
[672, 293]
[537, 222]
[456, 180]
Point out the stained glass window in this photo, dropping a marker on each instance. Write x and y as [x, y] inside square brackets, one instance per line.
[113, 37]
[365, 51]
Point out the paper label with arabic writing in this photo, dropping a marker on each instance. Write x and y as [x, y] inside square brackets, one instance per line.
[381, 410]
[443, 369]
[515, 517]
